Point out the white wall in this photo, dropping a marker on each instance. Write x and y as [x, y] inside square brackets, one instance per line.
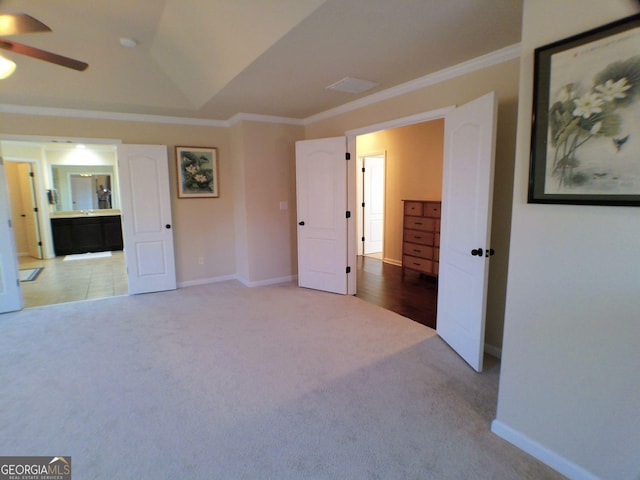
[569, 386]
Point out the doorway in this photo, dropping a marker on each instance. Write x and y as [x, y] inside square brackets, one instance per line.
[24, 207]
[412, 164]
[145, 226]
[46, 180]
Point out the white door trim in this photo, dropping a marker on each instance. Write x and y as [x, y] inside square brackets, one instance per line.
[402, 122]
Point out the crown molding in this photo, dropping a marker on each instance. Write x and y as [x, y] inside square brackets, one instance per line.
[402, 122]
[494, 58]
[99, 115]
[499, 56]
[256, 117]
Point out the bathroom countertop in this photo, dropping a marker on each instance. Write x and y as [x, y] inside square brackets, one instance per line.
[87, 213]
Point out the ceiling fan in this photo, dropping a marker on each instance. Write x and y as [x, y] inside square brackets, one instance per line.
[16, 24]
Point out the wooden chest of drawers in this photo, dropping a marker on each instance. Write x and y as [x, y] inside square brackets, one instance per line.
[421, 236]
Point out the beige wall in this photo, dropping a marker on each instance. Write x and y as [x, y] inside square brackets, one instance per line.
[501, 78]
[266, 177]
[413, 171]
[569, 390]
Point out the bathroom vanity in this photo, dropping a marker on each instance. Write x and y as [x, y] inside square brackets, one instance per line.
[82, 232]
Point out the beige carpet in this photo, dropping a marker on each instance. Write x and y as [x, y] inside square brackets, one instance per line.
[227, 382]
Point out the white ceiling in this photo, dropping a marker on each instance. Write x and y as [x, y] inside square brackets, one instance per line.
[215, 58]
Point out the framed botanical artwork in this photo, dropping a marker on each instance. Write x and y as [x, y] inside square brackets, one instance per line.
[197, 169]
[585, 142]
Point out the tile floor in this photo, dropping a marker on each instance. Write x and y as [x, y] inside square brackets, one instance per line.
[69, 281]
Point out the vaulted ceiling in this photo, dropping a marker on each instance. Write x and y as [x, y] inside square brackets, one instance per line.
[215, 58]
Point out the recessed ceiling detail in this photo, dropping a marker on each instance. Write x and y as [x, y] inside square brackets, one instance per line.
[209, 61]
[202, 46]
[352, 85]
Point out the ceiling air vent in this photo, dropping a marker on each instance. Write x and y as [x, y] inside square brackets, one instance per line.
[352, 85]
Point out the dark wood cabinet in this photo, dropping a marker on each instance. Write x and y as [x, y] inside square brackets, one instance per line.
[86, 234]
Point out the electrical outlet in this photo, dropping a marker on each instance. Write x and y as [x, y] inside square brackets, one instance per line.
[200, 260]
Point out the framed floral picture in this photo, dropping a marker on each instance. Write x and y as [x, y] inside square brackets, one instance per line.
[197, 172]
[585, 142]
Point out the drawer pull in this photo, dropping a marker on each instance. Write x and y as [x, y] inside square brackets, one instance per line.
[418, 223]
[416, 264]
[416, 250]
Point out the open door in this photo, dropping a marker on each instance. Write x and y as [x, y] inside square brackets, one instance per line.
[469, 148]
[30, 209]
[146, 217]
[321, 189]
[10, 294]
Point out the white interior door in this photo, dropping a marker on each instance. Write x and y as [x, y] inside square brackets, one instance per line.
[321, 184]
[373, 204]
[469, 149]
[29, 210]
[146, 217]
[10, 294]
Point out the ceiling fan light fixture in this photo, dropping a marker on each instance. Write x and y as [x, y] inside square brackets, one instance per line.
[7, 67]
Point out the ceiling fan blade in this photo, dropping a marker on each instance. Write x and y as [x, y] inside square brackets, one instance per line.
[43, 55]
[20, 23]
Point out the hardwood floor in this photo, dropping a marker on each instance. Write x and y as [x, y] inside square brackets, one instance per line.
[414, 296]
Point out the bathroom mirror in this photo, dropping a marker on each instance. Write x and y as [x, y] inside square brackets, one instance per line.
[77, 187]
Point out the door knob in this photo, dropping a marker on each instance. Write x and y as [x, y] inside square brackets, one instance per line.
[477, 252]
[167, 226]
[301, 223]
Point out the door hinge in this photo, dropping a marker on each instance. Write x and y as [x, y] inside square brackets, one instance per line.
[18, 282]
[363, 239]
[348, 214]
[31, 174]
[347, 156]
[362, 169]
[35, 209]
[362, 204]
[348, 269]
[9, 222]
[39, 244]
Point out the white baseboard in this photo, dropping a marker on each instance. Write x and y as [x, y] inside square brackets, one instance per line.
[245, 282]
[542, 453]
[269, 281]
[205, 281]
[493, 351]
